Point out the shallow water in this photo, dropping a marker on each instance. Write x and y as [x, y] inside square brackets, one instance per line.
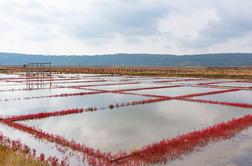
[237, 97]
[177, 91]
[236, 84]
[132, 127]
[62, 103]
[236, 151]
[129, 127]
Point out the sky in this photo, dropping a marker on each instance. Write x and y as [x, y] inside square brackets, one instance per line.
[92, 27]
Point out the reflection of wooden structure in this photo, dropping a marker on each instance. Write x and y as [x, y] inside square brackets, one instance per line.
[38, 75]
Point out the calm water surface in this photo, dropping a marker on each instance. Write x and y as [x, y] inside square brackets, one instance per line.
[130, 127]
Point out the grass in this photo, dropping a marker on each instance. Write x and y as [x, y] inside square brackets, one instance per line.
[9, 157]
[204, 72]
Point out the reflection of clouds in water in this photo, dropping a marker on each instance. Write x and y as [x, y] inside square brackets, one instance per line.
[12, 87]
[33, 93]
[177, 91]
[135, 126]
[60, 103]
[239, 96]
[236, 84]
[116, 87]
[233, 152]
[188, 111]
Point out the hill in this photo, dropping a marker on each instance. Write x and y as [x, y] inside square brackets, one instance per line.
[223, 59]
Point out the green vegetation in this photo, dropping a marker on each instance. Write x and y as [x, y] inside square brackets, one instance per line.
[9, 157]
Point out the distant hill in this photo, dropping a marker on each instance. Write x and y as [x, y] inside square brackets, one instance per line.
[223, 59]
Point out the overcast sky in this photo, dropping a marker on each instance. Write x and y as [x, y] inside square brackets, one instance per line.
[131, 26]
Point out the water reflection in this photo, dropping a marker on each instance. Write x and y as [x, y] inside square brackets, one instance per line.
[55, 104]
[231, 152]
[178, 91]
[38, 80]
[135, 126]
[236, 84]
[129, 127]
[37, 93]
[237, 97]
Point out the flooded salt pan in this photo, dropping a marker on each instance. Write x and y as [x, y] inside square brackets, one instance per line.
[132, 127]
[237, 97]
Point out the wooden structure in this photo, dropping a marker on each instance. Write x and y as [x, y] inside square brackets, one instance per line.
[38, 75]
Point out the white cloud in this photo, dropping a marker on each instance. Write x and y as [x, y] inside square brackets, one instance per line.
[187, 26]
[108, 26]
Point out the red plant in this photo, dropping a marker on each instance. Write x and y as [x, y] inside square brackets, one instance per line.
[169, 149]
[160, 152]
[53, 96]
[217, 82]
[42, 157]
[90, 153]
[77, 110]
[146, 88]
[44, 114]
[205, 93]
[179, 80]
[242, 105]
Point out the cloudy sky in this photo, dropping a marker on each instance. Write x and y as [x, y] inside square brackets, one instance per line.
[131, 26]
